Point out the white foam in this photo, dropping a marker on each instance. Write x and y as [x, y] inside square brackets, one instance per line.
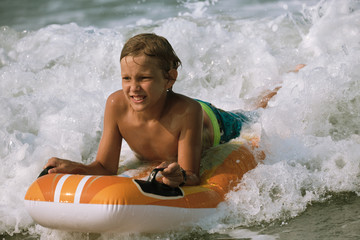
[55, 80]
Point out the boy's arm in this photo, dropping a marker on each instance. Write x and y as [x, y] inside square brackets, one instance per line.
[107, 158]
[110, 144]
[189, 149]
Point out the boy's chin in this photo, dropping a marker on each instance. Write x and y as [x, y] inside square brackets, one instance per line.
[138, 107]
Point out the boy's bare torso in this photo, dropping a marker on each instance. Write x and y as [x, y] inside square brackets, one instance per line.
[157, 140]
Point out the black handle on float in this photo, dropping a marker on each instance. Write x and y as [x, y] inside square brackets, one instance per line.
[45, 171]
[152, 176]
[154, 187]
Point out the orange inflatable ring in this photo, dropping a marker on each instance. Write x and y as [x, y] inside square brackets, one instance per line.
[122, 204]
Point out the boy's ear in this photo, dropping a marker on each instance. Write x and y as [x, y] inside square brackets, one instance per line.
[172, 75]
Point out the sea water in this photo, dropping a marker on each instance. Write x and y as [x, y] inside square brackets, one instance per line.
[59, 61]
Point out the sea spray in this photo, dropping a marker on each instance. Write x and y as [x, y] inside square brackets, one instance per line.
[55, 80]
[310, 130]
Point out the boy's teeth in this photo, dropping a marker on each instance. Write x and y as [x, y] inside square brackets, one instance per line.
[138, 98]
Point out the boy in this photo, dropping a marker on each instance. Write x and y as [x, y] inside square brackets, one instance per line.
[160, 126]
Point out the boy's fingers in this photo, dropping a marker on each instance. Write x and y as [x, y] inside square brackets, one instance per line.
[173, 175]
[56, 163]
[51, 163]
[171, 182]
[171, 169]
[162, 165]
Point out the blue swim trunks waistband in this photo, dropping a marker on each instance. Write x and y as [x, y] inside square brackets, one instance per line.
[214, 121]
[227, 125]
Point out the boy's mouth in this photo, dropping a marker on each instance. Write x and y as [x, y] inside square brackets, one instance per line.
[138, 98]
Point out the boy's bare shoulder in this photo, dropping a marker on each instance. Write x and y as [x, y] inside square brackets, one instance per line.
[116, 98]
[116, 102]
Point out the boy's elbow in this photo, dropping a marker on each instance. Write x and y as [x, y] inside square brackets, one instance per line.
[100, 169]
[109, 171]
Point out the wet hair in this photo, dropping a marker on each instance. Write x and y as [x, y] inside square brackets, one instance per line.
[152, 45]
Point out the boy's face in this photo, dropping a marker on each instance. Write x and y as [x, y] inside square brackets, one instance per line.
[143, 81]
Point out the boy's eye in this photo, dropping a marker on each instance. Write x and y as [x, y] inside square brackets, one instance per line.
[125, 78]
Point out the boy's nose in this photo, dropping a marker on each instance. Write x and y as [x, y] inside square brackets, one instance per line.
[135, 86]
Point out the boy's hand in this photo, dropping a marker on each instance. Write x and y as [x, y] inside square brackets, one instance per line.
[63, 166]
[172, 174]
